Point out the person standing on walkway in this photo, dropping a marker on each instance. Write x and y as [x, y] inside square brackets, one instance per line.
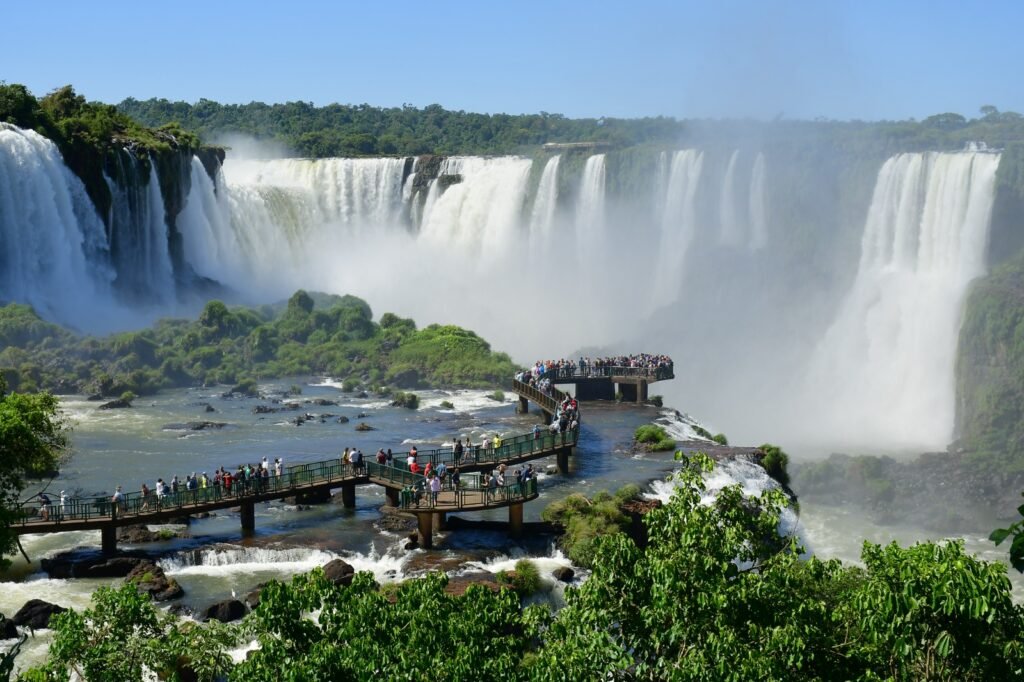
[435, 488]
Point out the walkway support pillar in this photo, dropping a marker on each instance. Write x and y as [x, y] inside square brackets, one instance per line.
[641, 391]
[515, 520]
[425, 530]
[524, 405]
[348, 495]
[392, 495]
[108, 538]
[563, 461]
[248, 510]
[440, 520]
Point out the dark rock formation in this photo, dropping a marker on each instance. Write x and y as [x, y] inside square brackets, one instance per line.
[339, 572]
[564, 573]
[343, 419]
[139, 534]
[36, 614]
[150, 578]
[363, 426]
[252, 600]
[226, 611]
[193, 426]
[323, 402]
[63, 567]
[8, 630]
[120, 403]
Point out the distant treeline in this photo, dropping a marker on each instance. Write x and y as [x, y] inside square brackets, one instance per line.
[364, 130]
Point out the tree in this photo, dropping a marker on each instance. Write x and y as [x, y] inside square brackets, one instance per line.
[123, 633]
[32, 438]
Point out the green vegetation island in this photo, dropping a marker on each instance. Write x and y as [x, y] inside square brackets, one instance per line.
[310, 334]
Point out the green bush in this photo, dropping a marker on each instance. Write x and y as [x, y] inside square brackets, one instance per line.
[403, 399]
[498, 395]
[775, 462]
[128, 396]
[584, 520]
[524, 579]
[447, 404]
[720, 439]
[654, 437]
[655, 400]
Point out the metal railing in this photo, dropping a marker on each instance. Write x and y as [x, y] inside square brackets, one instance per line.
[549, 401]
[594, 372]
[416, 493]
[293, 479]
[489, 452]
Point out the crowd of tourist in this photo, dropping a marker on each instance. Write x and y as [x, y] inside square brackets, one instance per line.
[540, 373]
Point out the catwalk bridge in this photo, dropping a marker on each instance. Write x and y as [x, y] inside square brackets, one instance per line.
[317, 479]
[592, 383]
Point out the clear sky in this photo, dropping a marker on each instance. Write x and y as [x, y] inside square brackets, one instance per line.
[732, 58]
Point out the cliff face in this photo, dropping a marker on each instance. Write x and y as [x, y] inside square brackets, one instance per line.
[990, 358]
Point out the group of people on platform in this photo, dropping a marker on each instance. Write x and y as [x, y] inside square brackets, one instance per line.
[591, 367]
[246, 478]
[435, 480]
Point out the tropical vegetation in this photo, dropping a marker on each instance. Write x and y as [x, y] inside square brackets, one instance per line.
[715, 594]
[309, 335]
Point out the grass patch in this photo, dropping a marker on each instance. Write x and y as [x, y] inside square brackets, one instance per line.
[498, 395]
[654, 437]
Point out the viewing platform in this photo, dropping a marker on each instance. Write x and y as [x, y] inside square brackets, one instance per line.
[315, 481]
[592, 383]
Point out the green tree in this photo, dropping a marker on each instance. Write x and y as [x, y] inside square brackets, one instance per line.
[32, 439]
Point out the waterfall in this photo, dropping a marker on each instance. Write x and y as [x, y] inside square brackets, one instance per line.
[887, 361]
[590, 210]
[53, 248]
[758, 210]
[138, 232]
[484, 210]
[543, 216]
[678, 224]
[730, 229]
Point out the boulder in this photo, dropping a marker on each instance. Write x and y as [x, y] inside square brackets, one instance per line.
[323, 402]
[8, 630]
[363, 394]
[363, 426]
[150, 578]
[339, 572]
[564, 573]
[62, 567]
[208, 408]
[120, 403]
[362, 415]
[226, 611]
[36, 614]
[252, 600]
[343, 419]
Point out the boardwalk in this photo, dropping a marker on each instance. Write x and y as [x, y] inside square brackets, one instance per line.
[593, 383]
[100, 513]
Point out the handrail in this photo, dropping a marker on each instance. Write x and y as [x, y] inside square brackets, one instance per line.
[659, 373]
[415, 489]
[293, 479]
[548, 401]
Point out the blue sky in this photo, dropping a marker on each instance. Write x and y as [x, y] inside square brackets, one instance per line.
[846, 60]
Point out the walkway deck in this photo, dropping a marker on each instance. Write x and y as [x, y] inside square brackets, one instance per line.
[594, 383]
[303, 479]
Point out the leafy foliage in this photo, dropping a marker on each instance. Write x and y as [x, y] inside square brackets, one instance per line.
[715, 594]
[585, 520]
[655, 437]
[232, 345]
[122, 633]
[32, 439]
[775, 462]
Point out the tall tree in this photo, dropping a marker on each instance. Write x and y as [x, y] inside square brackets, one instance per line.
[33, 437]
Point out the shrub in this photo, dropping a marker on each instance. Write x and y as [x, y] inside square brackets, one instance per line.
[654, 437]
[498, 395]
[720, 439]
[295, 389]
[525, 579]
[618, 396]
[128, 396]
[775, 462]
[447, 404]
[403, 399]
[655, 400]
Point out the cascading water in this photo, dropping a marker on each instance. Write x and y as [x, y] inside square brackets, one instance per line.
[543, 217]
[758, 209]
[678, 224]
[53, 249]
[138, 232]
[887, 361]
[590, 210]
[729, 234]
